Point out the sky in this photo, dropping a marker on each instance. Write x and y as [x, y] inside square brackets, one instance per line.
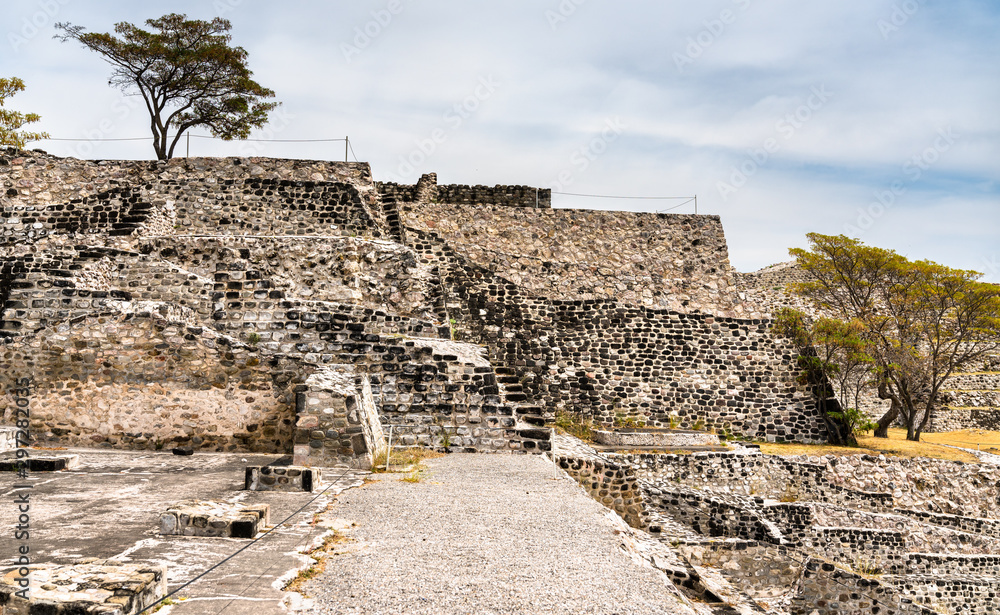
[877, 119]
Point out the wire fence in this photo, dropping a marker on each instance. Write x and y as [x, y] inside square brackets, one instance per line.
[349, 153]
[348, 148]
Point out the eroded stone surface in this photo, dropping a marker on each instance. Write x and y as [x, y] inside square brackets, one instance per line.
[282, 478]
[215, 519]
[98, 587]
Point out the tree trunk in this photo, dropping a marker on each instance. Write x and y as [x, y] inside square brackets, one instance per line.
[882, 430]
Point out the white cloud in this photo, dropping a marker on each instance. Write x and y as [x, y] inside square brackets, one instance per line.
[686, 129]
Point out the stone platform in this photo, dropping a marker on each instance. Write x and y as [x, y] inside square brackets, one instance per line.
[99, 587]
[50, 463]
[655, 438]
[214, 519]
[287, 478]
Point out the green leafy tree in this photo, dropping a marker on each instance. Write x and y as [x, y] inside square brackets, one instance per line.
[920, 321]
[12, 121]
[187, 73]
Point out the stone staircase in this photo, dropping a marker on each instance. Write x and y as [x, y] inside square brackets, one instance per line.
[970, 400]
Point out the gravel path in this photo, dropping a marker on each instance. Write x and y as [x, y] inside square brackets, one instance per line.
[484, 534]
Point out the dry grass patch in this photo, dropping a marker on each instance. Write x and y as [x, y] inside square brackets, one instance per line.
[988, 441]
[332, 545]
[404, 460]
[930, 445]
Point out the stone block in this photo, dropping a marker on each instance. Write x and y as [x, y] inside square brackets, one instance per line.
[281, 478]
[214, 519]
[98, 587]
[42, 464]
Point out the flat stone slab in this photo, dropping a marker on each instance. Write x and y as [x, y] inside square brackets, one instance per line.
[41, 464]
[655, 438]
[109, 507]
[100, 587]
[281, 478]
[214, 519]
[8, 438]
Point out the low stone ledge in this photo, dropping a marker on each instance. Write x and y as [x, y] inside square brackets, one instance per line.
[287, 478]
[95, 588]
[655, 437]
[41, 464]
[214, 519]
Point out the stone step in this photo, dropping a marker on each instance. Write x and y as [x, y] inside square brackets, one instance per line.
[655, 438]
[601, 448]
[535, 421]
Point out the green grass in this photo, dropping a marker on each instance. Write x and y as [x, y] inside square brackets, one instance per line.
[575, 425]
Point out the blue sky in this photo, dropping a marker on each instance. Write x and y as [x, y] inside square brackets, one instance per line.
[873, 118]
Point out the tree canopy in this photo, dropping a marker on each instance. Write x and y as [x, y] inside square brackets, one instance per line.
[187, 73]
[12, 121]
[919, 321]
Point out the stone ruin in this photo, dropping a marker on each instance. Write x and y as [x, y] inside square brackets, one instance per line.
[289, 306]
[301, 308]
[808, 535]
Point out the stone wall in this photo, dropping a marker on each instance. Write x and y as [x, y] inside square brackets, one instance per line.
[827, 590]
[936, 594]
[677, 262]
[185, 236]
[711, 514]
[972, 525]
[602, 357]
[756, 475]
[34, 179]
[428, 190]
[761, 570]
[138, 380]
[607, 482]
[337, 421]
[937, 491]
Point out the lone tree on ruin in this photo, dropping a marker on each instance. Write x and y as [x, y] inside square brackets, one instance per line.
[921, 321]
[186, 72]
[12, 121]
